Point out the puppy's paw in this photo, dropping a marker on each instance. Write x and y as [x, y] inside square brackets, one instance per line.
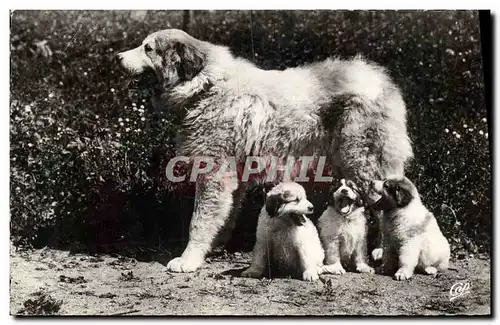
[431, 270]
[377, 254]
[183, 265]
[403, 274]
[333, 269]
[364, 268]
[252, 273]
[310, 274]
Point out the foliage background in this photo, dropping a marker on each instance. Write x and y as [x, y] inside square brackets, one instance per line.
[87, 150]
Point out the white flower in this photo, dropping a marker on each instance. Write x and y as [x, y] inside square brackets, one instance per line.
[465, 126]
[118, 134]
[126, 120]
[470, 129]
[486, 135]
[142, 106]
[133, 104]
[481, 132]
[112, 90]
[484, 119]
[97, 116]
[458, 136]
[143, 100]
[138, 130]
[445, 130]
[143, 119]
[120, 119]
[134, 108]
[127, 129]
[51, 95]
[121, 124]
[27, 108]
[30, 145]
[454, 132]
[85, 73]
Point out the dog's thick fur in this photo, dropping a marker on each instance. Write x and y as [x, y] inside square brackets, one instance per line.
[342, 228]
[287, 241]
[412, 238]
[346, 110]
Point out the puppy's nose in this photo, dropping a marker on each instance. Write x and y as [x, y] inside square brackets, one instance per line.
[343, 192]
[310, 208]
[118, 57]
[372, 184]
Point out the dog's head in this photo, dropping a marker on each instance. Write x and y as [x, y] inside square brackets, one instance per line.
[288, 198]
[345, 197]
[396, 192]
[172, 54]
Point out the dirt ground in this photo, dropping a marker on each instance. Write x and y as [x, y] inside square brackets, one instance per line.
[117, 285]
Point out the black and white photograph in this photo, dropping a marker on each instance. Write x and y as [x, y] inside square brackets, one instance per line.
[250, 163]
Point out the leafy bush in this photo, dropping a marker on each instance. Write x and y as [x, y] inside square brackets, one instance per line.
[88, 151]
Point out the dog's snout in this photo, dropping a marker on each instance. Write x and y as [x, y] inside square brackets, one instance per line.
[118, 57]
[344, 191]
[310, 208]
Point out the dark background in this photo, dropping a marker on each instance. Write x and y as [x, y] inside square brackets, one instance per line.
[81, 179]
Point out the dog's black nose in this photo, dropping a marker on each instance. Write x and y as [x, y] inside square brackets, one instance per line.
[310, 209]
[343, 192]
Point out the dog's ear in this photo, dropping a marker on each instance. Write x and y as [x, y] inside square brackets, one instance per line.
[273, 204]
[403, 197]
[331, 190]
[192, 60]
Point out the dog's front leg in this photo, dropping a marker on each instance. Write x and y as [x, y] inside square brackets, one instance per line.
[332, 258]
[213, 203]
[360, 257]
[408, 259]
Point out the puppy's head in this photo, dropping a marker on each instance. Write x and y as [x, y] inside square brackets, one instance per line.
[345, 197]
[288, 198]
[396, 192]
[172, 54]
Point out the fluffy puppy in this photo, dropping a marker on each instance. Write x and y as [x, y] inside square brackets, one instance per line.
[412, 238]
[287, 241]
[343, 229]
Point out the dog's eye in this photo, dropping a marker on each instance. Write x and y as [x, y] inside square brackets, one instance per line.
[397, 188]
[385, 185]
[147, 48]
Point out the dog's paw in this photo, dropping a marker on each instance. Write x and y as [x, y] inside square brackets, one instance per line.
[310, 274]
[364, 268]
[431, 270]
[183, 265]
[251, 273]
[403, 274]
[377, 254]
[333, 269]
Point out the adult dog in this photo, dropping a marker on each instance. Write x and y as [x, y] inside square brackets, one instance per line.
[346, 110]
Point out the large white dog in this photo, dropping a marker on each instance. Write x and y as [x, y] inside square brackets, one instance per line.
[346, 110]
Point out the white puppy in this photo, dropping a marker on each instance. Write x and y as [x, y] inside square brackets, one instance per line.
[287, 241]
[342, 229]
[412, 238]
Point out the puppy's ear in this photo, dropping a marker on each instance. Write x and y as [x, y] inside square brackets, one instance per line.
[192, 61]
[403, 197]
[331, 190]
[273, 204]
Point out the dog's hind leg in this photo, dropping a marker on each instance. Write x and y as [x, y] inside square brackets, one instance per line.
[213, 203]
